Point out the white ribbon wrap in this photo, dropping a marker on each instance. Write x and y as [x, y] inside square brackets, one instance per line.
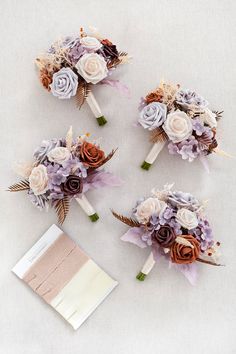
[154, 152]
[148, 265]
[91, 100]
[85, 205]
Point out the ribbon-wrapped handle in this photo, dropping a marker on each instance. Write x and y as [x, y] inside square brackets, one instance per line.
[87, 208]
[94, 106]
[152, 156]
[147, 267]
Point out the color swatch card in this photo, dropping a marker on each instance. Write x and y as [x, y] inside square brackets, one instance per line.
[64, 276]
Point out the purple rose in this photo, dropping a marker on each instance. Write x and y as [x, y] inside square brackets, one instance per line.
[64, 83]
[165, 236]
[153, 115]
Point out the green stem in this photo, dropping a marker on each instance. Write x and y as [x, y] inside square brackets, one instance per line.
[141, 276]
[101, 120]
[145, 165]
[94, 217]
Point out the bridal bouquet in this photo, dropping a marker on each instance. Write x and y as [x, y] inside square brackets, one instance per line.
[181, 118]
[73, 65]
[174, 226]
[62, 170]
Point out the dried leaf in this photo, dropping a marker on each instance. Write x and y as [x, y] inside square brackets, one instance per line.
[128, 221]
[157, 135]
[218, 114]
[20, 186]
[109, 156]
[62, 208]
[69, 138]
[113, 63]
[82, 93]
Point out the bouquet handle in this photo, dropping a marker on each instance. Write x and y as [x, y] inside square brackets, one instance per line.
[147, 267]
[152, 156]
[95, 108]
[87, 207]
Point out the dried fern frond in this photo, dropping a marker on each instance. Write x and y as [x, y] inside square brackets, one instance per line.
[113, 63]
[158, 134]
[62, 209]
[20, 186]
[107, 158]
[208, 262]
[82, 93]
[128, 221]
[218, 114]
[69, 138]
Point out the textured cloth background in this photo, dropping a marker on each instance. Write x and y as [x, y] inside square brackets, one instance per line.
[190, 42]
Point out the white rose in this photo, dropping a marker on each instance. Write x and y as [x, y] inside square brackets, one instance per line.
[149, 207]
[90, 43]
[187, 218]
[59, 155]
[92, 67]
[178, 126]
[38, 180]
[209, 118]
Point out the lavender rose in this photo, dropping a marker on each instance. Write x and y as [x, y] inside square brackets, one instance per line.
[165, 236]
[153, 115]
[64, 83]
[46, 146]
[73, 185]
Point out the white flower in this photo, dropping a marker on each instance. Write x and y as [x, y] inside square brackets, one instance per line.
[187, 218]
[90, 43]
[149, 207]
[38, 180]
[92, 67]
[178, 126]
[59, 155]
[209, 118]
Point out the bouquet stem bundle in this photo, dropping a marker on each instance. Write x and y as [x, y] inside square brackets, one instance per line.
[147, 267]
[95, 108]
[87, 208]
[153, 154]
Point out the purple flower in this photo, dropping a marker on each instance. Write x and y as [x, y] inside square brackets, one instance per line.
[189, 97]
[203, 234]
[76, 50]
[184, 200]
[198, 126]
[189, 149]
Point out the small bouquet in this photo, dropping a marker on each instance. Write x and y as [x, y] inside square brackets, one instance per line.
[181, 118]
[62, 170]
[174, 226]
[72, 66]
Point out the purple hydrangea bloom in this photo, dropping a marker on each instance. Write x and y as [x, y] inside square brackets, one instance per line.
[203, 234]
[187, 97]
[198, 126]
[189, 149]
[75, 50]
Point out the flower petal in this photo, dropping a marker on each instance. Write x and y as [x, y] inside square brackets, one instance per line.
[133, 235]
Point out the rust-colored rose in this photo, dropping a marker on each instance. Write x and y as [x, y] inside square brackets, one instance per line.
[73, 185]
[45, 78]
[184, 254]
[165, 236]
[91, 155]
[155, 96]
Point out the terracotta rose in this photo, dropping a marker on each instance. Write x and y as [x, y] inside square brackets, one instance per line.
[91, 155]
[183, 254]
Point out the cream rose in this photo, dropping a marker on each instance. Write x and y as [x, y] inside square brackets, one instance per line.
[38, 180]
[149, 207]
[92, 67]
[90, 43]
[178, 126]
[187, 218]
[59, 155]
[209, 118]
